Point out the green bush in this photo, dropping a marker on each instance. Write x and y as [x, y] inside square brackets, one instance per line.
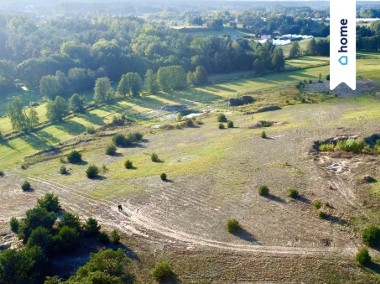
[119, 140]
[371, 236]
[363, 257]
[111, 150]
[317, 203]
[154, 158]
[135, 137]
[14, 223]
[92, 172]
[115, 237]
[221, 126]
[1, 137]
[163, 177]
[233, 225]
[26, 186]
[91, 227]
[2, 173]
[265, 123]
[221, 118]
[293, 192]
[230, 124]
[90, 130]
[74, 157]
[162, 270]
[351, 145]
[263, 190]
[128, 164]
[50, 202]
[63, 170]
[322, 215]
[329, 147]
[263, 135]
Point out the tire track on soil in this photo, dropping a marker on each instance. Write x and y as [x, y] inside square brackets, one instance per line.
[141, 225]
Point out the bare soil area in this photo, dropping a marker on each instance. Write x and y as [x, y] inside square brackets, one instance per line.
[190, 212]
[362, 86]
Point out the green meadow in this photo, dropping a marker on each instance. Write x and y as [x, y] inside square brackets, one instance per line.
[144, 109]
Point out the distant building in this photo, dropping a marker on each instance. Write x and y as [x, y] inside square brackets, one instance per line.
[265, 37]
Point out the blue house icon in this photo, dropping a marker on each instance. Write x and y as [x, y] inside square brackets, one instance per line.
[343, 60]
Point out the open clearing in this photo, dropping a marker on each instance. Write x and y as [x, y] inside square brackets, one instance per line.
[214, 176]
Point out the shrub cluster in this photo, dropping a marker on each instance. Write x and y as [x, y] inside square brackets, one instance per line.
[221, 118]
[26, 186]
[154, 157]
[63, 170]
[233, 225]
[92, 172]
[74, 157]
[363, 257]
[164, 177]
[263, 190]
[111, 150]
[119, 140]
[162, 270]
[221, 126]
[317, 203]
[128, 164]
[350, 145]
[293, 192]
[371, 236]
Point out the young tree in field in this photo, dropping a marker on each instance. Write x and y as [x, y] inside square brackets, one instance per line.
[33, 118]
[295, 50]
[57, 109]
[130, 83]
[171, 78]
[150, 82]
[103, 90]
[311, 48]
[278, 61]
[200, 75]
[16, 114]
[76, 104]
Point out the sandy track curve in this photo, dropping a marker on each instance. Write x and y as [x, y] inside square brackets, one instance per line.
[131, 221]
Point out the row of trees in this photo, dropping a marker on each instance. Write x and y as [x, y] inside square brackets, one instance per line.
[27, 119]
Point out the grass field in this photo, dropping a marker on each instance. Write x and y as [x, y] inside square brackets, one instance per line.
[201, 31]
[268, 88]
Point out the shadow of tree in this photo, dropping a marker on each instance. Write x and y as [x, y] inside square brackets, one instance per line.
[336, 220]
[275, 198]
[36, 142]
[71, 127]
[374, 267]
[244, 235]
[172, 279]
[7, 144]
[93, 118]
[47, 136]
[303, 199]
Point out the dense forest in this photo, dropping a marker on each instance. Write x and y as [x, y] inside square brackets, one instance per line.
[83, 50]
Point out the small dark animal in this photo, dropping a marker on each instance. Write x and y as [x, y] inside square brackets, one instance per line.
[120, 208]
